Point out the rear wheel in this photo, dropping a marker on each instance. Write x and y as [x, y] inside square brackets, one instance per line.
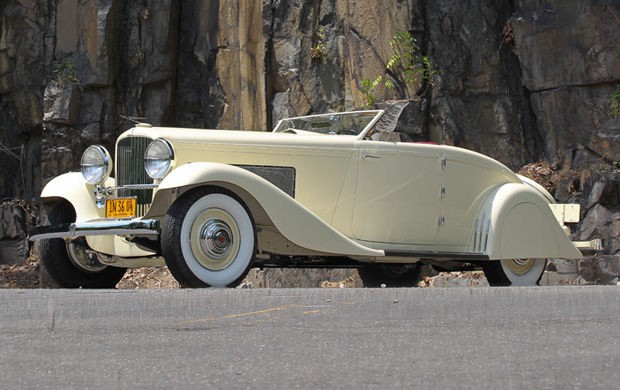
[208, 239]
[391, 275]
[70, 264]
[514, 272]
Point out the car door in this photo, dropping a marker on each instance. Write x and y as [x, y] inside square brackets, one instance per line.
[397, 198]
[468, 179]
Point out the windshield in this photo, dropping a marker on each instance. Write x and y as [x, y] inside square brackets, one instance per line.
[342, 123]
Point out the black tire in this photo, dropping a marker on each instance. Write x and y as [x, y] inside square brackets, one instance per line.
[514, 272]
[68, 264]
[391, 275]
[224, 244]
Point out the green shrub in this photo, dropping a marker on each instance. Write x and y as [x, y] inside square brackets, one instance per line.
[65, 72]
[406, 67]
[614, 110]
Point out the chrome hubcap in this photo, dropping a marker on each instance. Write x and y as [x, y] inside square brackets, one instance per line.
[520, 266]
[216, 239]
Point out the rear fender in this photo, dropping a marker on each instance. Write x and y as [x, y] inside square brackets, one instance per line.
[517, 222]
[269, 206]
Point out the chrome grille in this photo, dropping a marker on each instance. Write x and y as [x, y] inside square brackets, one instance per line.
[130, 170]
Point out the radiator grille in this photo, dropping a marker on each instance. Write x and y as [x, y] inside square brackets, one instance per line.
[130, 170]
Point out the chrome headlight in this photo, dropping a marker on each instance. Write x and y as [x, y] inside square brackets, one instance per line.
[158, 158]
[96, 164]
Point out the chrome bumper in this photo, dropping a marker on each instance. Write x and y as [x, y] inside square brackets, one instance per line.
[589, 246]
[99, 227]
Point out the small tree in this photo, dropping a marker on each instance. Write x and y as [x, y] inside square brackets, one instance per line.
[407, 67]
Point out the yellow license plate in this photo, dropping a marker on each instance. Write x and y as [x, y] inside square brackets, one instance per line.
[120, 208]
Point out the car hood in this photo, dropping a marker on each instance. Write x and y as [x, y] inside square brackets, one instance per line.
[188, 136]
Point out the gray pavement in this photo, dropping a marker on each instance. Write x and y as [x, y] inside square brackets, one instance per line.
[547, 337]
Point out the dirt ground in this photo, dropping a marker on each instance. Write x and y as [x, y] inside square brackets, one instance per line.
[26, 275]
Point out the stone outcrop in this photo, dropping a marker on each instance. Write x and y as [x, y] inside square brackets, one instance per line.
[605, 141]
[15, 220]
[570, 62]
[520, 81]
[479, 101]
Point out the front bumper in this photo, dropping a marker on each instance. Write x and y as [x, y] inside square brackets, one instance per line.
[98, 227]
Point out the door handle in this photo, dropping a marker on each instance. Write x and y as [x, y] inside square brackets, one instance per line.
[365, 156]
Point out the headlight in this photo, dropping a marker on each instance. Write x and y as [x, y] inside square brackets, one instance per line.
[96, 164]
[158, 159]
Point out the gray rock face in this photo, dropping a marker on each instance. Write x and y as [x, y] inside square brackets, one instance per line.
[605, 141]
[14, 223]
[564, 130]
[478, 101]
[26, 33]
[570, 61]
[600, 220]
[60, 104]
[563, 43]
[519, 81]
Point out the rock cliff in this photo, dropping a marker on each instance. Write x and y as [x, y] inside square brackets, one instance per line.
[519, 80]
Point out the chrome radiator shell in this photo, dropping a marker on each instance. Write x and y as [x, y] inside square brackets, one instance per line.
[130, 171]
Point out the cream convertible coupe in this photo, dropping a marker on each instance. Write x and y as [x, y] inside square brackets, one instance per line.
[333, 190]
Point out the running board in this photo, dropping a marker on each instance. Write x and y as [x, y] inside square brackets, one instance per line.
[280, 261]
[439, 255]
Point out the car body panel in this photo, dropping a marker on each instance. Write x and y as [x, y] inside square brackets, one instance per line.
[397, 199]
[316, 159]
[295, 222]
[313, 194]
[72, 188]
[467, 177]
[523, 226]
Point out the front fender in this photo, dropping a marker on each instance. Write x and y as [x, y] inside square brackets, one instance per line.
[268, 204]
[74, 189]
[517, 222]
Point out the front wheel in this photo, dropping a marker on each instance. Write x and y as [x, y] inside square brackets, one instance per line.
[71, 264]
[208, 239]
[514, 272]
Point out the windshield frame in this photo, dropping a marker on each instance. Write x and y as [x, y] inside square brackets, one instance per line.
[279, 128]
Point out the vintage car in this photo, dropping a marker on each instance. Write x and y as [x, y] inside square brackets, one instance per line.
[331, 190]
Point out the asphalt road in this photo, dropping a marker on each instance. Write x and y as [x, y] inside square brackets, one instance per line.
[548, 337]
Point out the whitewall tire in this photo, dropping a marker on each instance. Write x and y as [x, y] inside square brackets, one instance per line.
[208, 239]
[514, 272]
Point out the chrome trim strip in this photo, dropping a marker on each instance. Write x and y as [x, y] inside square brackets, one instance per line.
[98, 227]
[134, 187]
[438, 255]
